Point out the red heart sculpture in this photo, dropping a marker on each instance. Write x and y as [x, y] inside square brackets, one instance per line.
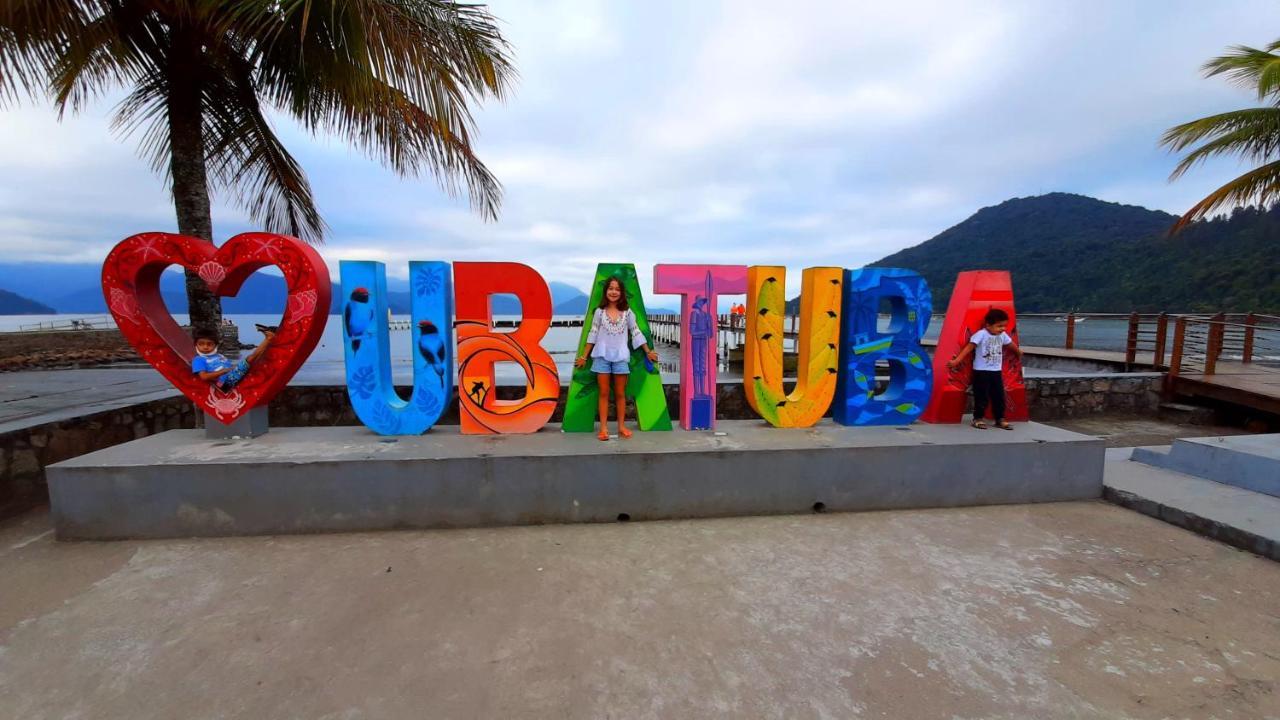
[131, 285]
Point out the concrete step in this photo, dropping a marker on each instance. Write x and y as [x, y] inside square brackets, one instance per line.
[1251, 462]
[1185, 414]
[1243, 518]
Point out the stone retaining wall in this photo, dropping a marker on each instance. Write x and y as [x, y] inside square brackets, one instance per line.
[24, 453]
[76, 348]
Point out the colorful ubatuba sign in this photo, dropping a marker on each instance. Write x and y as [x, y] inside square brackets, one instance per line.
[840, 337]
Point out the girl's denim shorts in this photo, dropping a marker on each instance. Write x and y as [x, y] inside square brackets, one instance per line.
[604, 367]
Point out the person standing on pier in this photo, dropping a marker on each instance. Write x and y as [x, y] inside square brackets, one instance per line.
[613, 333]
[987, 346]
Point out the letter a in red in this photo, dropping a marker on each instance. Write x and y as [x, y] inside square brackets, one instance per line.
[976, 292]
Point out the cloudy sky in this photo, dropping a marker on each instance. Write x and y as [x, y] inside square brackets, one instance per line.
[741, 131]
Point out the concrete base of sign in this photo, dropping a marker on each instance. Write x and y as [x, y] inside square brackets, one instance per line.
[304, 480]
[249, 425]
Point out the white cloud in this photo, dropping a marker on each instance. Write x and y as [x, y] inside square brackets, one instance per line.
[744, 131]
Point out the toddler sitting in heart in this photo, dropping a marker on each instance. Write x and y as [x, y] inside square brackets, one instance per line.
[212, 366]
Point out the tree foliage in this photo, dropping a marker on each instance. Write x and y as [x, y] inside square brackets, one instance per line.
[1070, 252]
[392, 77]
[1252, 134]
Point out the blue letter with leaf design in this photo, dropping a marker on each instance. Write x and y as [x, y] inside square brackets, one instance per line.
[368, 350]
[862, 344]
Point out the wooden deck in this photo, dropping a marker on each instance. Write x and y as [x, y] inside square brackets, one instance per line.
[1250, 384]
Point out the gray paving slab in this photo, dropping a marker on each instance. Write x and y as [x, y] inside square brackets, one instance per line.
[315, 479]
[1080, 611]
[1243, 518]
[39, 396]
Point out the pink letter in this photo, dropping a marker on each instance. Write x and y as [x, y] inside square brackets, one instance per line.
[699, 286]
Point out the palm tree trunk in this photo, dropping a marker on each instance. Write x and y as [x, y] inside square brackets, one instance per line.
[186, 164]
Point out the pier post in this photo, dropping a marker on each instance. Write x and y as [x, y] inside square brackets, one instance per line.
[1071, 331]
[1162, 332]
[1131, 342]
[1214, 346]
[1179, 337]
[1250, 320]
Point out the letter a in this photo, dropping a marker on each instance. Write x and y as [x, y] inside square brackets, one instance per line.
[976, 292]
[642, 384]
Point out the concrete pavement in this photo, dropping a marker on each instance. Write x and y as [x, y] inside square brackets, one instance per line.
[1065, 610]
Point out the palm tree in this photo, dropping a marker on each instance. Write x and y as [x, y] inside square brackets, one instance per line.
[394, 77]
[1253, 134]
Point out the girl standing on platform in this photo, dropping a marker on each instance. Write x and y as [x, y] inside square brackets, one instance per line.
[613, 333]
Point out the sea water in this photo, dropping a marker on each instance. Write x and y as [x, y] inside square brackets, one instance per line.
[326, 363]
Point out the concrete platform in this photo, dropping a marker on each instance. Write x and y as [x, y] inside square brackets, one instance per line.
[1251, 462]
[1243, 518]
[304, 480]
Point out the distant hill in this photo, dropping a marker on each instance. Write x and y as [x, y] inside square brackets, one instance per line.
[573, 306]
[75, 288]
[1071, 252]
[259, 294]
[15, 304]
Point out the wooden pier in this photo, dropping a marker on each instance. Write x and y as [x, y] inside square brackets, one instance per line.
[1225, 358]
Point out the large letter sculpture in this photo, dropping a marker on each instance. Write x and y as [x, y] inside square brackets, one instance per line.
[368, 351]
[976, 292]
[131, 286]
[480, 410]
[644, 384]
[699, 286]
[910, 375]
[820, 298]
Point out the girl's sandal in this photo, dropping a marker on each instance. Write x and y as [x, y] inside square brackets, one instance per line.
[979, 425]
[1004, 426]
[624, 433]
[604, 435]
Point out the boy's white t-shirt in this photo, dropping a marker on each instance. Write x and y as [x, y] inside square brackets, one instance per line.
[988, 353]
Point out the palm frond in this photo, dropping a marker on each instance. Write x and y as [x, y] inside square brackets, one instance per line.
[32, 36]
[1253, 133]
[394, 78]
[1258, 70]
[245, 155]
[1259, 186]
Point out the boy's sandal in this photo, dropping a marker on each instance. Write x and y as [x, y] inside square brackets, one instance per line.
[979, 424]
[624, 433]
[604, 435]
[1004, 426]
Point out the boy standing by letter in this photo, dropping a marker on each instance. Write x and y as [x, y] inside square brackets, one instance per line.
[988, 345]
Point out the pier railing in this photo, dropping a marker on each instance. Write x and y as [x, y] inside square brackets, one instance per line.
[1201, 343]
[95, 322]
[1191, 342]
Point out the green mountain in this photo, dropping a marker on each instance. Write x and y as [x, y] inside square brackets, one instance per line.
[14, 304]
[1071, 252]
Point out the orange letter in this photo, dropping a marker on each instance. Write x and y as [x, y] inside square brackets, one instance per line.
[480, 411]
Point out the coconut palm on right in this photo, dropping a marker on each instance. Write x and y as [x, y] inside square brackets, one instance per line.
[1252, 133]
